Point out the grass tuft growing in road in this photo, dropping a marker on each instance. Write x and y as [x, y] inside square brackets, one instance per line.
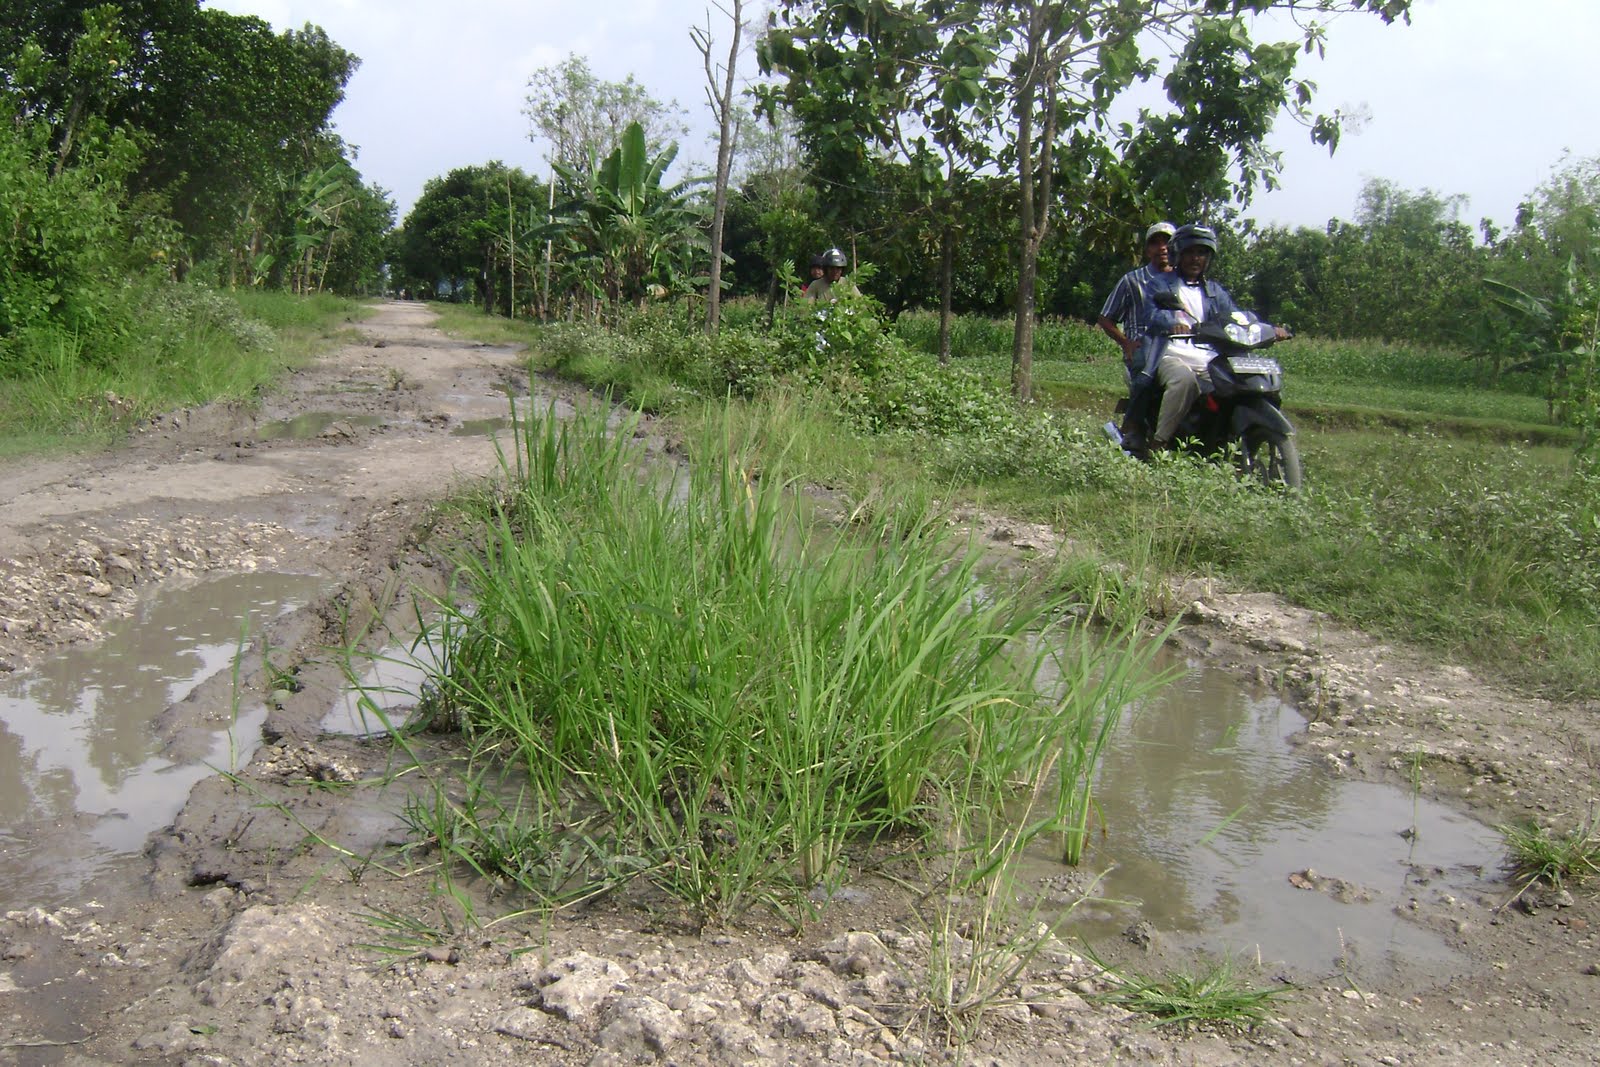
[679, 680]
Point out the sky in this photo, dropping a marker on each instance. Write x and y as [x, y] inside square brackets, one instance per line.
[1479, 98]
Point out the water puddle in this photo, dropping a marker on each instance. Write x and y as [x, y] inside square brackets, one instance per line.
[386, 693]
[1218, 832]
[480, 427]
[312, 424]
[83, 777]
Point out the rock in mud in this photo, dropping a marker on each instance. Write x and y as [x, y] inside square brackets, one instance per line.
[575, 986]
[270, 940]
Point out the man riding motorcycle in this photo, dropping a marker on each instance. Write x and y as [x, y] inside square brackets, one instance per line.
[1168, 356]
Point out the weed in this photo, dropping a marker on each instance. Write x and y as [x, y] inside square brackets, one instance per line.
[1209, 994]
[1538, 855]
[1414, 778]
[720, 697]
[402, 936]
[1098, 682]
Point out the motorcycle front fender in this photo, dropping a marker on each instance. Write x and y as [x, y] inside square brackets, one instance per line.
[1260, 414]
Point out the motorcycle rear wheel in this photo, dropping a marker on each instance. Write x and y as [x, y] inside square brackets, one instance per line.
[1271, 458]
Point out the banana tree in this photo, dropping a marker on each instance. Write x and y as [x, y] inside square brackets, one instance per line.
[641, 231]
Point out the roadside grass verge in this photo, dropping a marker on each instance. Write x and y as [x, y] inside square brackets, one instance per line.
[679, 682]
[180, 345]
[1484, 549]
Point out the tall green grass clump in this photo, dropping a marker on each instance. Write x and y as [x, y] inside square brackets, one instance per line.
[724, 700]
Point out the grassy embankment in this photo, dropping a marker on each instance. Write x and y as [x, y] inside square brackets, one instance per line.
[181, 346]
[1439, 511]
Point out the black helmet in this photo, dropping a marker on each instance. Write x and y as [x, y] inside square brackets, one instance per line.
[834, 257]
[1194, 235]
[816, 261]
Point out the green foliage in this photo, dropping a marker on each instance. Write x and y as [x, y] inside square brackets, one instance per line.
[723, 702]
[1480, 546]
[180, 345]
[1540, 855]
[1209, 995]
[642, 235]
[456, 236]
[1017, 89]
[1406, 269]
[973, 336]
[63, 244]
[226, 114]
[583, 118]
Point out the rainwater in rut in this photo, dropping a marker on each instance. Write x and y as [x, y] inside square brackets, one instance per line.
[84, 773]
[1211, 821]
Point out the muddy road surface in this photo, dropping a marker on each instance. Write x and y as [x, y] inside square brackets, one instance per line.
[266, 918]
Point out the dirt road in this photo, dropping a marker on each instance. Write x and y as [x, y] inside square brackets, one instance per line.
[243, 938]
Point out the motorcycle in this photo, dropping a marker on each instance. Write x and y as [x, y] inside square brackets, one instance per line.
[1238, 409]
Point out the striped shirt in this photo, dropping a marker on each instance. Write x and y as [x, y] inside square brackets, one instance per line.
[1126, 304]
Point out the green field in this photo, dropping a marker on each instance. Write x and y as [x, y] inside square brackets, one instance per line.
[1437, 511]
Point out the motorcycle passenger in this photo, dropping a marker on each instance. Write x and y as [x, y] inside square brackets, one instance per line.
[1122, 319]
[816, 273]
[833, 284]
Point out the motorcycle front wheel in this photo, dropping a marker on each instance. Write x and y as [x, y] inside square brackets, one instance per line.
[1270, 457]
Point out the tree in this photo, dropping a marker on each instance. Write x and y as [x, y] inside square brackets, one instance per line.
[720, 96]
[1545, 279]
[640, 231]
[1025, 87]
[583, 118]
[454, 235]
[222, 107]
[773, 221]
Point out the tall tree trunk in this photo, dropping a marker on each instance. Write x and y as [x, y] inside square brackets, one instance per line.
[511, 242]
[1028, 256]
[721, 99]
[947, 270]
[772, 299]
[489, 268]
[549, 246]
[1034, 202]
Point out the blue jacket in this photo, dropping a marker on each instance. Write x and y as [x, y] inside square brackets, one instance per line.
[1214, 300]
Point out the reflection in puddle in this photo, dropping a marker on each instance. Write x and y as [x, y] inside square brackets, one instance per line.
[83, 779]
[386, 693]
[1208, 812]
[304, 427]
[480, 427]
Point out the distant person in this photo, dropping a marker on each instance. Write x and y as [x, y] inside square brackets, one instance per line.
[816, 274]
[1122, 320]
[833, 284]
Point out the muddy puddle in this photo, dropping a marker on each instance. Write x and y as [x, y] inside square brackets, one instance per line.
[386, 690]
[84, 774]
[1223, 837]
[313, 424]
[1215, 831]
[480, 427]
